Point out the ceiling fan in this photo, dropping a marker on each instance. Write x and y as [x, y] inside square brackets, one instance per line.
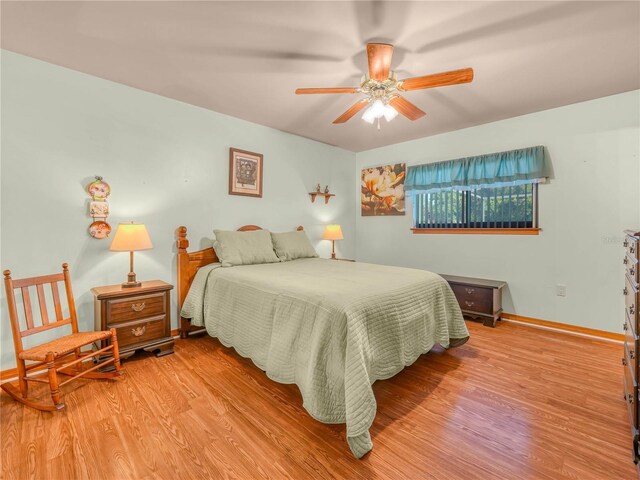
[381, 87]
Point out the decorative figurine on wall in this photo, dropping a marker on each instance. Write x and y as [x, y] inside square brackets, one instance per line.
[318, 188]
[326, 189]
[99, 208]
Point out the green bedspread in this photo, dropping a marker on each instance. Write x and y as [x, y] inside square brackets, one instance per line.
[331, 327]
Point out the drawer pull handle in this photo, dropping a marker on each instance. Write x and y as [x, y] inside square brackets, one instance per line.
[632, 354]
[138, 331]
[625, 291]
[137, 307]
[625, 261]
[632, 309]
[470, 290]
[468, 303]
[625, 327]
[632, 249]
[624, 361]
[630, 398]
[632, 272]
[625, 244]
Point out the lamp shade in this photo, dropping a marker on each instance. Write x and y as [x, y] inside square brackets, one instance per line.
[131, 237]
[331, 232]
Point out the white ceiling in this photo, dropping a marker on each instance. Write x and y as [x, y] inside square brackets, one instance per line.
[246, 58]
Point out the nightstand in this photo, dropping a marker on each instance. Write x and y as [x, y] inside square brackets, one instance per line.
[140, 315]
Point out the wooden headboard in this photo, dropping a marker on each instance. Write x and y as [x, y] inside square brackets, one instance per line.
[188, 266]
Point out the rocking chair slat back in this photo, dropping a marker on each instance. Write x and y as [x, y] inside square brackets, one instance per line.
[42, 301]
[55, 293]
[47, 321]
[26, 303]
[27, 282]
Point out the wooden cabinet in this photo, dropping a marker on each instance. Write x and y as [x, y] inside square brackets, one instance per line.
[140, 315]
[630, 324]
[478, 298]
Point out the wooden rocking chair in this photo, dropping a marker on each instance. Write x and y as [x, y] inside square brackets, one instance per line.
[55, 353]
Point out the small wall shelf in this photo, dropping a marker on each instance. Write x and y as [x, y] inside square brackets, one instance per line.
[326, 196]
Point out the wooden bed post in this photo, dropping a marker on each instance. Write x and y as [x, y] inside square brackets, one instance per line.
[188, 265]
[183, 264]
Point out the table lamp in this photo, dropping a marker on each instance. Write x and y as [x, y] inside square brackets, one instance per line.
[333, 233]
[131, 237]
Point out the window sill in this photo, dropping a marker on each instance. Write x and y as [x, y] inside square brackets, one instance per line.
[478, 231]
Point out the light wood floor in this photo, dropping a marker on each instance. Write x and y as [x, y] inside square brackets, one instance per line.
[513, 403]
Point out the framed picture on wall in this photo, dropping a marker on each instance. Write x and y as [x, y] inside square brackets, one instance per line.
[382, 190]
[245, 173]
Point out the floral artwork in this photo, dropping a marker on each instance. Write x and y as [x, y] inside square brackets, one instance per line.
[383, 190]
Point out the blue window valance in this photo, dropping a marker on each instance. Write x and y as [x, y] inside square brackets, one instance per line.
[503, 167]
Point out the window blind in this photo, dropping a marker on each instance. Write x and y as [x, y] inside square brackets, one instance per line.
[503, 206]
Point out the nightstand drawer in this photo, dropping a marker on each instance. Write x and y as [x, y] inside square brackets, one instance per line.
[631, 265]
[133, 308]
[631, 246]
[630, 331]
[475, 299]
[630, 298]
[630, 390]
[141, 331]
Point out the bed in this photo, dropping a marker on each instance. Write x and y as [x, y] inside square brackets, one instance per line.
[330, 327]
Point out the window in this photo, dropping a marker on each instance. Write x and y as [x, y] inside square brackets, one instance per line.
[499, 206]
[490, 193]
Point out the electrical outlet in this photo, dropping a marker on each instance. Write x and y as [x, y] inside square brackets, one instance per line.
[561, 290]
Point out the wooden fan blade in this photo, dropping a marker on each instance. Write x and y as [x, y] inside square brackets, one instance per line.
[355, 108]
[379, 56]
[406, 108]
[307, 91]
[437, 80]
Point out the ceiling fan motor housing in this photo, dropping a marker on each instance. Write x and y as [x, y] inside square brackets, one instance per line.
[379, 90]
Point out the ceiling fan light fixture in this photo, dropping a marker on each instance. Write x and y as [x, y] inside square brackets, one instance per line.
[389, 113]
[378, 110]
[368, 117]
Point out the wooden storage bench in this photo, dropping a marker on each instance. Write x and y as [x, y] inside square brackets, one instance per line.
[478, 298]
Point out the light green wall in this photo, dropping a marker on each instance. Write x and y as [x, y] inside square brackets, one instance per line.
[594, 195]
[167, 163]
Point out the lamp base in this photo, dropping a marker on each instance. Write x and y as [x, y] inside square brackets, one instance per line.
[131, 281]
